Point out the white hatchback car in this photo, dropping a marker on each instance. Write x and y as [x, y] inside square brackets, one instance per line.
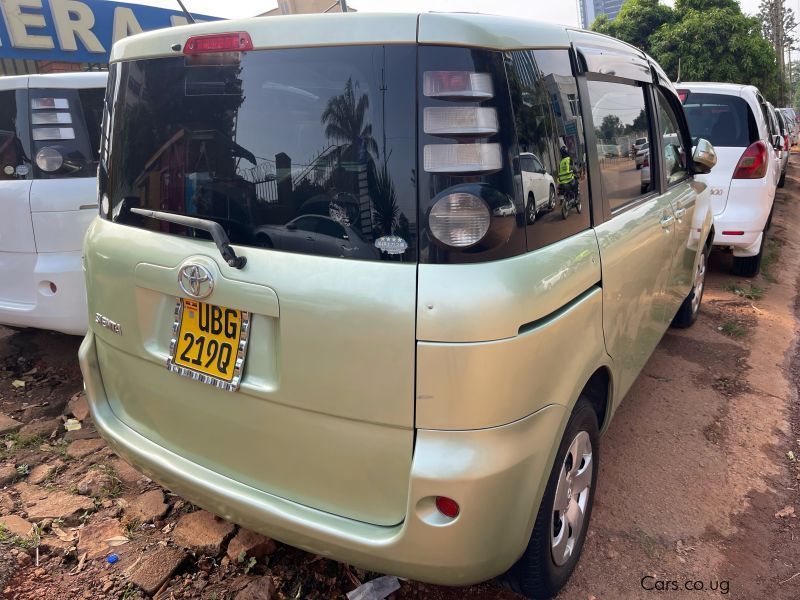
[538, 186]
[736, 120]
[49, 150]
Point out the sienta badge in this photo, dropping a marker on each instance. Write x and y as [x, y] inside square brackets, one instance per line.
[391, 244]
[22, 170]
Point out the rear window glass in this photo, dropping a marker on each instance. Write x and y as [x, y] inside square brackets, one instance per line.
[721, 119]
[302, 150]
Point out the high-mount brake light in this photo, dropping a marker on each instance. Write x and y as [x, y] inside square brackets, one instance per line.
[461, 120]
[458, 85]
[753, 163]
[683, 95]
[234, 41]
[462, 158]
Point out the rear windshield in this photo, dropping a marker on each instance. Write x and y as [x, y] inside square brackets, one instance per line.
[306, 150]
[721, 119]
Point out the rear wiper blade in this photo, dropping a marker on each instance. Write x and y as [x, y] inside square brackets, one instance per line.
[212, 227]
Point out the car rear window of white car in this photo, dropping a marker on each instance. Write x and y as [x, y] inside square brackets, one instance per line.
[725, 121]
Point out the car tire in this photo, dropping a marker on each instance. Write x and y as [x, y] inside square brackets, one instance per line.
[690, 309]
[782, 180]
[638, 167]
[263, 241]
[530, 213]
[546, 564]
[749, 266]
[551, 201]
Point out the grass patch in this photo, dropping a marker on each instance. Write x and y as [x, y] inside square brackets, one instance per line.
[751, 292]
[772, 252]
[732, 329]
[114, 488]
[130, 528]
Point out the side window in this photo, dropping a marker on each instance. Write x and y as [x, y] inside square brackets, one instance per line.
[674, 149]
[14, 164]
[550, 137]
[331, 229]
[619, 113]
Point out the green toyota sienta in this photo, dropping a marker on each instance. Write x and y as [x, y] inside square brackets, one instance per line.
[373, 284]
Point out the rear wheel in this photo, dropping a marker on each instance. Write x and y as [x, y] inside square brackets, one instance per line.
[531, 212]
[563, 519]
[749, 266]
[782, 180]
[551, 201]
[687, 313]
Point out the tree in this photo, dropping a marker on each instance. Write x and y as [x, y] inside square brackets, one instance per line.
[716, 44]
[610, 128]
[344, 118]
[636, 22]
[778, 23]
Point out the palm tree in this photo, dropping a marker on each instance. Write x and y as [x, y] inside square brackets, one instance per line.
[344, 123]
[385, 201]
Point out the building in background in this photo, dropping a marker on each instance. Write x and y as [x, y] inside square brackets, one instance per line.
[303, 7]
[591, 9]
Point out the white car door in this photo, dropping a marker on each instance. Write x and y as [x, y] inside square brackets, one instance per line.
[541, 184]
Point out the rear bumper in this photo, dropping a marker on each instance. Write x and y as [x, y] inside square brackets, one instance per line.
[497, 475]
[746, 210]
[28, 300]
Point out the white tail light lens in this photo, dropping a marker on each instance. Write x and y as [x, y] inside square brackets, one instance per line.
[53, 133]
[462, 158]
[457, 84]
[49, 160]
[52, 103]
[461, 120]
[459, 220]
[51, 118]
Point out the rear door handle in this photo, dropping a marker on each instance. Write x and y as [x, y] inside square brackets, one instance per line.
[680, 213]
[666, 222]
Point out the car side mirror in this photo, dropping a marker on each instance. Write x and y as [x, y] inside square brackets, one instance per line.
[291, 226]
[777, 142]
[704, 157]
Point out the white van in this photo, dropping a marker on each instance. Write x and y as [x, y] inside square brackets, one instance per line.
[49, 144]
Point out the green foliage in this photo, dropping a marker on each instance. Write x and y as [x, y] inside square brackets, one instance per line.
[712, 39]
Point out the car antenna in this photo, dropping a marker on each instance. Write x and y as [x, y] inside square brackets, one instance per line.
[679, 67]
[189, 16]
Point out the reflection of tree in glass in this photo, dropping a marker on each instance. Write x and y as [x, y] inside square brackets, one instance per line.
[609, 128]
[385, 201]
[344, 123]
[639, 124]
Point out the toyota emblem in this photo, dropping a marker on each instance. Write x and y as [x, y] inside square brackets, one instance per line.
[196, 281]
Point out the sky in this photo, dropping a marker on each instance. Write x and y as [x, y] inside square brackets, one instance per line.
[557, 11]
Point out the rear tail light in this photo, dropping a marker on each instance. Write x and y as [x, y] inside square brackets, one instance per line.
[53, 133]
[234, 41]
[52, 103]
[460, 85]
[460, 120]
[459, 220]
[49, 159]
[447, 506]
[786, 143]
[753, 163]
[733, 233]
[462, 158]
[646, 161]
[683, 95]
[51, 118]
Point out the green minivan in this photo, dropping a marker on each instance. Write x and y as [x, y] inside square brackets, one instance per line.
[318, 306]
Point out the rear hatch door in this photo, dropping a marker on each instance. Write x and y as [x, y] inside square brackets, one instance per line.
[306, 158]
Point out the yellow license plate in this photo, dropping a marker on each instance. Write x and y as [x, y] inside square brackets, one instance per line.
[209, 343]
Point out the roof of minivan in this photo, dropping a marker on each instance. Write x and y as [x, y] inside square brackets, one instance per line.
[76, 80]
[730, 89]
[457, 29]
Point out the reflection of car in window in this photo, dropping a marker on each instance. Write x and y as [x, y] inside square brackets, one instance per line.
[539, 189]
[315, 234]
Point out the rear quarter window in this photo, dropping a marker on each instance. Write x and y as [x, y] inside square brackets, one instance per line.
[721, 119]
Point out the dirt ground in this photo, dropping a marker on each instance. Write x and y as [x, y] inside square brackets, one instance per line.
[698, 478]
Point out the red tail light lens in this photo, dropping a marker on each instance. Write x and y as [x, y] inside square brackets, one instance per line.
[753, 163]
[235, 41]
[646, 161]
[447, 506]
[683, 95]
[458, 85]
[786, 143]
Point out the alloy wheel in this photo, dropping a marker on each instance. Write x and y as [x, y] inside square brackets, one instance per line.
[699, 282]
[572, 496]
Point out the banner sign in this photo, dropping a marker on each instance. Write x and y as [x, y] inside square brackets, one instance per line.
[76, 30]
